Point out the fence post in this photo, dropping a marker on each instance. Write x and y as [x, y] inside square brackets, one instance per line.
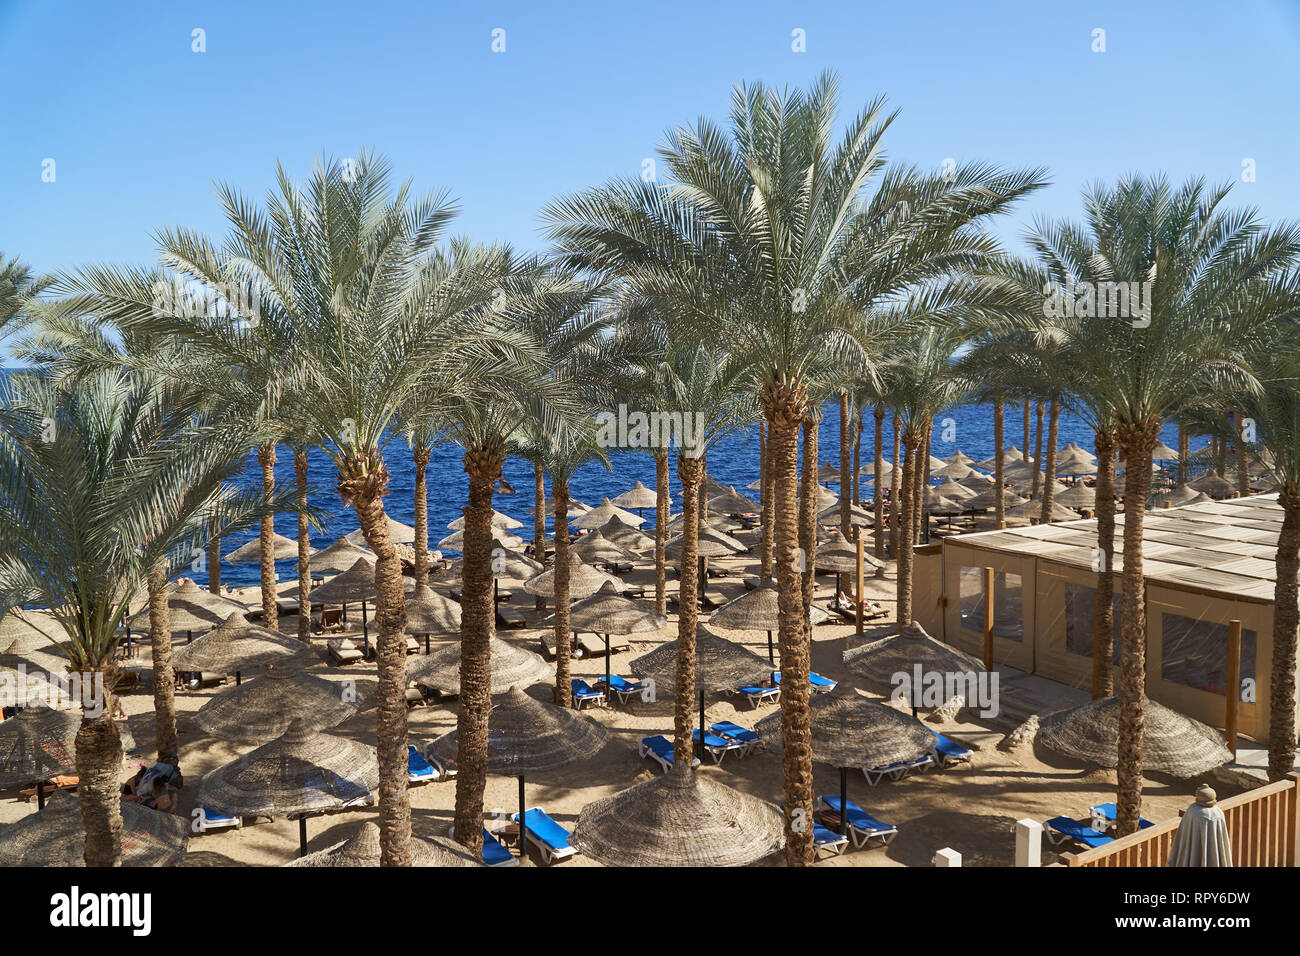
[988, 619]
[947, 857]
[1029, 843]
[1233, 689]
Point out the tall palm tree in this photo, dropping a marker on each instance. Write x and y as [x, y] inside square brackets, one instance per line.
[105, 478]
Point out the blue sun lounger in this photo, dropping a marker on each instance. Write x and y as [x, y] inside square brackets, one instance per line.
[949, 752]
[1111, 813]
[757, 694]
[1060, 829]
[210, 819]
[896, 771]
[862, 826]
[583, 693]
[717, 747]
[660, 749]
[820, 684]
[418, 770]
[750, 738]
[547, 835]
[623, 689]
[494, 854]
[828, 841]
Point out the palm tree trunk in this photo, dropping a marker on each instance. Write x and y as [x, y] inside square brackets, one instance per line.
[857, 457]
[539, 527]
[477, 628]
[921, 482]
[1286, 616]
[661, 530]
[1103, 606]
[999, 457]
[420, 455]
[1024, 447]
[690, 471]
[365, 485]
[877, 493]
[304, 547]
[214, 563]
[1137, 439]
[1243, 467]
[896, 508]
[1184, 444]
[563, 677]
[808, 519]
[1049, 477]
[910, 460]
[164, 680]
[266, 542]
[846, 467]
[1038, 450]
[785, 406]
[767, 539]
[99, 769]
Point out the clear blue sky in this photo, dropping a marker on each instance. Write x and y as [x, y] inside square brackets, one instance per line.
[139, 126]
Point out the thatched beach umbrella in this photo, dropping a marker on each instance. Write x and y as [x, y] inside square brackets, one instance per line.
[362, 849]
[584, 580]
[859, 517]
[1216, 486]
[576, 507]
[398, 533]
[827, 472]
[758, 610]
[608, 612]
[1033, 509]
[1078, 497]
[526, 735]
[511, 666]
[597, 516]
[301, 773]
[953, 491]
[356, 585]
[732, 502]
[595, 548]
[1163, 452]
[723, 525]
[29, 631]
[34, 677]
[679, 819]
[720, 665]
[824, 498]
[501, 538]
[499, 520]
[282, 549]
[264, 708]
[905, 652]
[987, 499]
[1075, 468]
[955, 470]
[36, 744]
[192, 608]
[959, 457]
[55, 837]
[429, 613]
[711, 544]
[1172, 743]
[236, 646]
[339, 557]
[1179, 496]
[849, 730]
[626, 536]
[639, 497]
[506, 564]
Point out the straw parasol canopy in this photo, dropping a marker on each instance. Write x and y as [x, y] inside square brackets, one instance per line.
[849, 730]
[828, 472]
[576, 507]
[511, 666]
[959, 457]
[843, 557]
[954, 471]
[281, 547]
[858, 517]
[880, 660]
[584, 580]
[976, 482]
[398, 533]
[638, 496]
[626, 536]
[1033, 510]
[711, 543]
[1172, 743]
[29, 631]
[714, 522]
[712, 487]
[38, 743]
[987, 499]
[303, 771]
[504, 487]
[499, 520]
[1163, 452]
[1179, 496]
[608, 612]
[508, 564]
[362, 849]
[939, 505]
[1078, 497]
[192, 608]
[679, 819]
[526, 735]
[238, 646]
[719, 665]
[756, 610]
[952, 490]
[55, 836]
[428, 612]
[339, 557]
[500, 538]
[595, 548]
[597, 516]
[824, 498]
[732, 502]
[355, 584]
[1216, 486]
[1076, 468]
[263, 709]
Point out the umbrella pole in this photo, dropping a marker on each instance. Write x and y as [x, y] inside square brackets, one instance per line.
[523, 828]
[844, 801]
[345, 612]
[40, 794]
[236, 678]
[189, 637]
[426, 644]
[302, 836]
[365, 627]
[607, 690]
[771, 657]
[701, 728]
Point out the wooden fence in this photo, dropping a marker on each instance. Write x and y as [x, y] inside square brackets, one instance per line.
[1263, 829]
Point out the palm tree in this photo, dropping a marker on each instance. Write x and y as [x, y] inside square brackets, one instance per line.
[106, 478]
[19, 287]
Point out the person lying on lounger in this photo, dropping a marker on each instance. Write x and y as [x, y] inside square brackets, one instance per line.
[849, 606]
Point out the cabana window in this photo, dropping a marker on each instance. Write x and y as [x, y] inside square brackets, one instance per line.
[1079, 619]
[1008, 603]
[1195, 653]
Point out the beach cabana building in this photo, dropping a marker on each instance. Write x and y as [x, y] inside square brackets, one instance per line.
[1205, 565]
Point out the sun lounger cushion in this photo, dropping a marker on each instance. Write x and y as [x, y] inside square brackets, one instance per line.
[549, 836]
[494, 854]
[859, 821]
[417, 768]
[1079, 832]
[726, 728]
